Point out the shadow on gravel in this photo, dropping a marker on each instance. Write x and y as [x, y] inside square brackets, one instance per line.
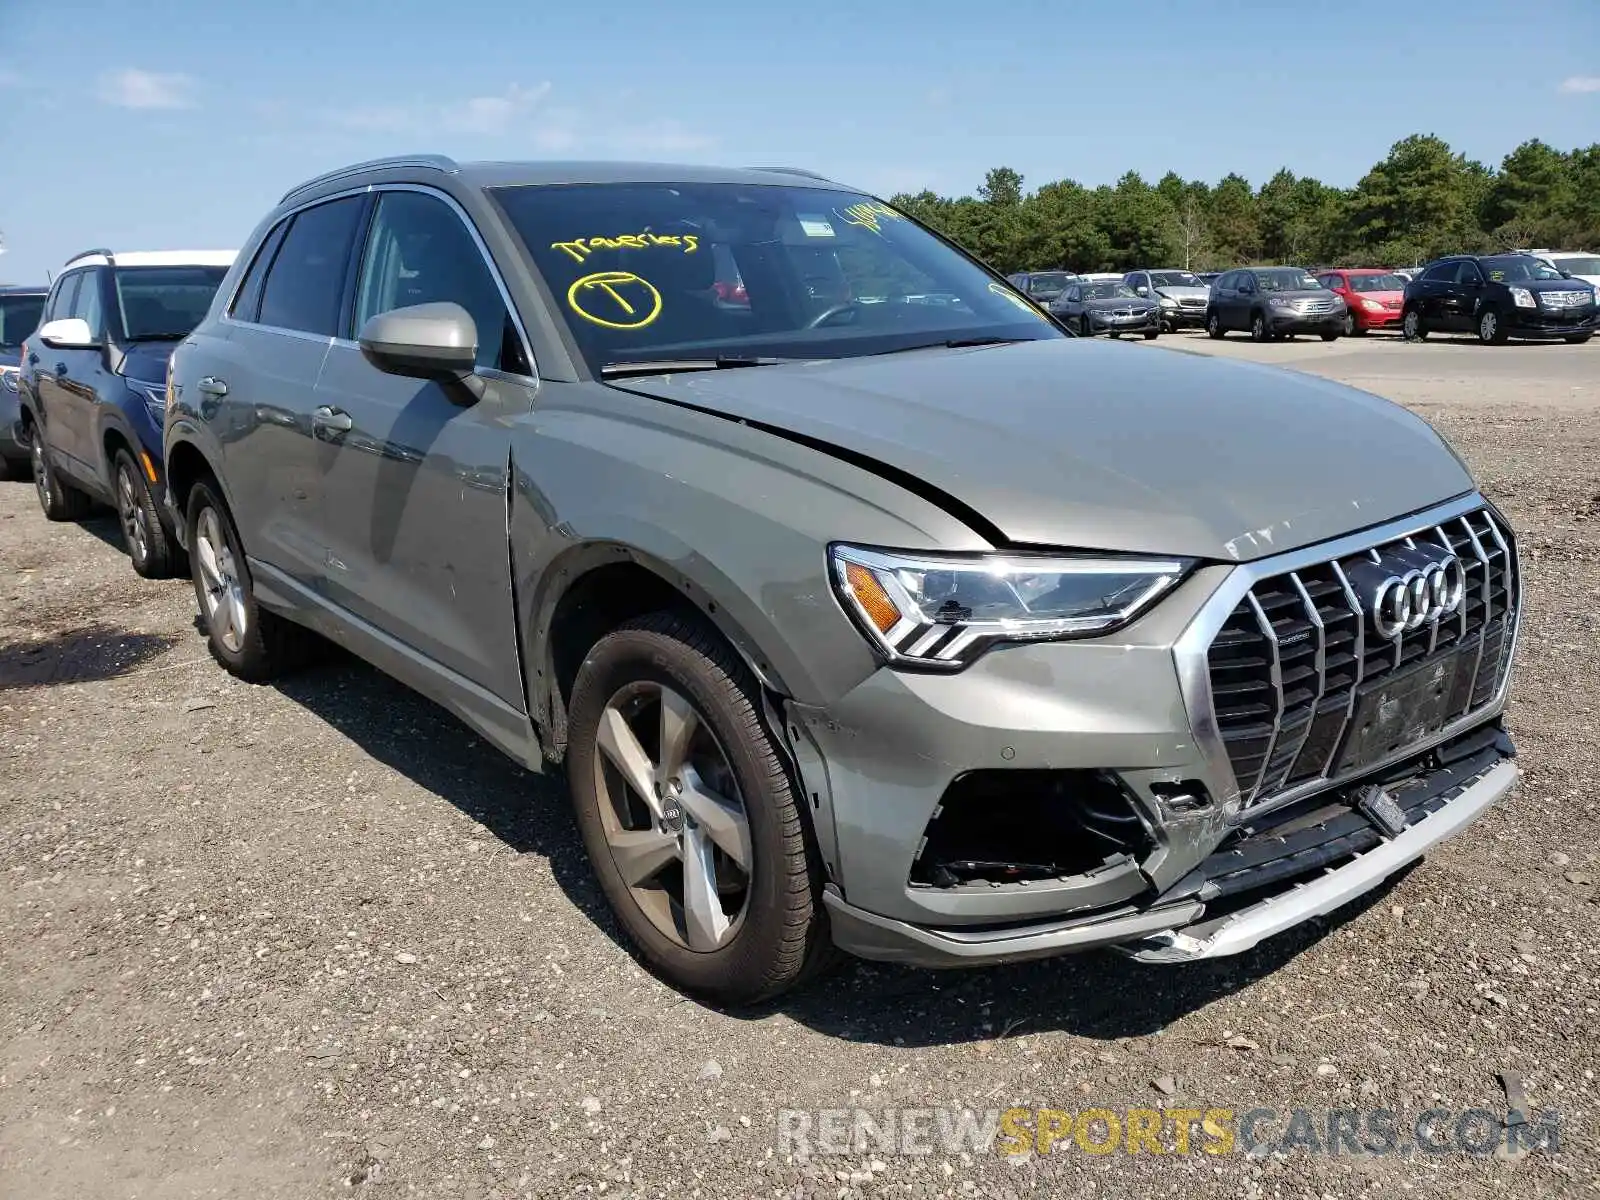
[103, 524]
[77, 656]
[1096, 995]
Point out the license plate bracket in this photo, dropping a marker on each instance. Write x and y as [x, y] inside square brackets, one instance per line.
[1398, 710]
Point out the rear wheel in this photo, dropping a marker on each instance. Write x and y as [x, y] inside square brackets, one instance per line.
[1214, 327]
[149, 548]
[687, 813]
[1411, 326]
[58, 498]
[1491, 329]
[250, 643]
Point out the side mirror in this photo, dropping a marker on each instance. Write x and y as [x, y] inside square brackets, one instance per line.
[436, 341]
[69, 333]
[1142, 290]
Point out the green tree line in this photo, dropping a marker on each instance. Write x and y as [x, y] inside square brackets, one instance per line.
[1422, 201]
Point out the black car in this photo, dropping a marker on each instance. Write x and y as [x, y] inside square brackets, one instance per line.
[19, 316]
[93, 388]
[1499, 296]
[1041, 286]
[1273, 302]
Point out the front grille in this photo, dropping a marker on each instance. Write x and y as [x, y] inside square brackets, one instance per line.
[1192, 302]
[1567, 299]
[1311, 307]
[1300, 649]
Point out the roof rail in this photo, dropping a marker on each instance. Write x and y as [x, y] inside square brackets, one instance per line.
[431, 162]
[794, 171]
[100, 251]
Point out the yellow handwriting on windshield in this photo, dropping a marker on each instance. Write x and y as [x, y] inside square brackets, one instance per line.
[868, 214]
[581, 248]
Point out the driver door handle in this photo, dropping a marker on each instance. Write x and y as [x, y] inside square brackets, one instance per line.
[334, 420]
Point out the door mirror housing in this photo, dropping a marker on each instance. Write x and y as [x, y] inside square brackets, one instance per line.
[1142, 290]
[68, 333]
[437, 341]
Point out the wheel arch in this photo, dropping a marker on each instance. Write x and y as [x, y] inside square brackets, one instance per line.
[186, 465]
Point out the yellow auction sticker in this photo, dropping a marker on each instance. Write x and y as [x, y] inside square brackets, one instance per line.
[615, 299]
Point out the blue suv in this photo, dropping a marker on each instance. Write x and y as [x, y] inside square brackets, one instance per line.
[93, 388]
[19, 316]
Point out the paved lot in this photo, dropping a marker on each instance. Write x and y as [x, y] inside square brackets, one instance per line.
[317, 939]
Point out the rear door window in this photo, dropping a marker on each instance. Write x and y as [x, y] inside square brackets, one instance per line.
[305, 283]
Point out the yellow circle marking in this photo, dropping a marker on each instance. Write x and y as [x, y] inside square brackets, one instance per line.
[1007, 294]
[615, 287]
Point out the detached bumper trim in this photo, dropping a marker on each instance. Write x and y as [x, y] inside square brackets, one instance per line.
[1240, 931]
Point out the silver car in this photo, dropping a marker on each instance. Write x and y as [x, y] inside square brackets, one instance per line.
[924, 631]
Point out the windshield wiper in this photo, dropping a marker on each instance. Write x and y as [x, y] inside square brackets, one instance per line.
[157, 337]
[669, 366]
[961, 344]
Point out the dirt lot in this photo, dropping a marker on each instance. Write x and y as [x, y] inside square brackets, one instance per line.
[317, 939]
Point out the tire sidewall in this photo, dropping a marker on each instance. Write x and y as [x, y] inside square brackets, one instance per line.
[144, 510]
[1411, 327]
[201, 497]
[1258, 328]
[633, 655]
[1496, 334]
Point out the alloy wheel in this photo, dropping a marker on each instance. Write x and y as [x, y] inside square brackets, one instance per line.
[131, 516]
[223, 593]
[41, 469]
[1349, 324]
[1411, 326]
[1488, 326]
[672, 815]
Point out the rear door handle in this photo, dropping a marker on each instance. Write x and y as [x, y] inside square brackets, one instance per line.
[332, 419]
[212, 386]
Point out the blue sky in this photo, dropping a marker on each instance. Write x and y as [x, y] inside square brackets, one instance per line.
[177, 124]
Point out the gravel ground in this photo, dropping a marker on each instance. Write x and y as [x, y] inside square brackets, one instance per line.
[318, 939]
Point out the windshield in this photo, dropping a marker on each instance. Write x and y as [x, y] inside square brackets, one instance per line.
[161, 303]
[1108, 291]
[1518, 268]
[1048, 283]
[822, 273]
[1287, 279]
[1377, 283]
[1579, 265]
[19, 316]
[1176, 279]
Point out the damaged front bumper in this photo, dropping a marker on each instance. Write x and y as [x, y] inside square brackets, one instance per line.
[1312, 859]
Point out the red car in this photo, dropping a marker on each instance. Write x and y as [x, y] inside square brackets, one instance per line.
[1373, 297]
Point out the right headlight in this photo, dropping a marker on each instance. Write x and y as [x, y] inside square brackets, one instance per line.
[9, 377]
[942, 612]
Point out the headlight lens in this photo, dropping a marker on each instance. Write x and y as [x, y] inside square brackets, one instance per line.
[1372, 306]
[1523, 298]
[1168, 302]
[9, 377]
[942, 613]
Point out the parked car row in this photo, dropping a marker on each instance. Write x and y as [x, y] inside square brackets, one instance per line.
[861, 607]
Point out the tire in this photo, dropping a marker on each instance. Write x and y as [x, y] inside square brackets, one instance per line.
[778, 935]
[1150, 335]
[59, 499]
[1084, 328]
[145, 538]
[1351, 328]
[1332, 335]
[1577, 339]
[1258, 328]
[1214, 329]
[1114, 335]
[1491, 329]
[267, 645]
[1411, 327]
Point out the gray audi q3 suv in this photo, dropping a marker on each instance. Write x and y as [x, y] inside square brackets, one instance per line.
[854, 619]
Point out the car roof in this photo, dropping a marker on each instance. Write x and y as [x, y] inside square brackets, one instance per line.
[24, 289]
[154, 258]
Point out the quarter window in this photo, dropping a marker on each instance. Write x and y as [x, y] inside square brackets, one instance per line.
[86, 303]
[306, 280]
[247, 303]
[419, 252]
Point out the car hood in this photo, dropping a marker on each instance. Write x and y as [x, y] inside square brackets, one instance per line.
[1548, 285]
[1303, 294]
[1120, 302]
[1391, 298]
[1185, 292]
[1084, 444]
[147, 361]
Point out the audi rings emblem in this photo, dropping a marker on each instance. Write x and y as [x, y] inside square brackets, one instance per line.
[1405, 603]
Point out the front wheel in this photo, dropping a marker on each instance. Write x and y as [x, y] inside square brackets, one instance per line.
[1350, 328]
[1491, 329]
[1214, 329]
[1577, 339]
[1331, 335]
[1258, 328]
[247, 641]
[1083, 327]
[688, 816]
[1150, 335]
[1411, 326]
[143, 535]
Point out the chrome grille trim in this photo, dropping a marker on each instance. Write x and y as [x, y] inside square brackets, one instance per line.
[1457, 523]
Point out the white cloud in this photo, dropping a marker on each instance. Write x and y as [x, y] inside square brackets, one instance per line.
[481, 115]
[1581, 83]
[133, 88]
